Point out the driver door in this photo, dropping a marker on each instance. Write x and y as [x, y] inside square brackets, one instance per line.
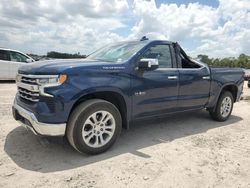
[155, 92]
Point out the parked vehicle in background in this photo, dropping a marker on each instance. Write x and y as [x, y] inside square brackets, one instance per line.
[247, 76]
[90, 100]
[10, 61]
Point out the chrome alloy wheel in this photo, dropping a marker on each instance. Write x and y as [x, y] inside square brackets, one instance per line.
[226, 106]
[98, 129]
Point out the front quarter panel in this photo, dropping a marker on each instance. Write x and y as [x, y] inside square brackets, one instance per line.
[90, 80]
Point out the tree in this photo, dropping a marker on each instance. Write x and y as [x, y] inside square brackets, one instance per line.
[204, 59]
[243, 61]
[60, 55]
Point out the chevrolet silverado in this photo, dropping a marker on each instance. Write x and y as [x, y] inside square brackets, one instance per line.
[90, 100]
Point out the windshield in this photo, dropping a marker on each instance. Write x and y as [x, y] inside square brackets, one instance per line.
[117, 53]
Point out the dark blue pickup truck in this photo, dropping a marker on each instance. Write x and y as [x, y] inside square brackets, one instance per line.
[90, 100]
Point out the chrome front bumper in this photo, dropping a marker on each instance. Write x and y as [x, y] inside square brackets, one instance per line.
[29, 120]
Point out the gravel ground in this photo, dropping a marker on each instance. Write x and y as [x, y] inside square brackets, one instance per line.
[183, 150]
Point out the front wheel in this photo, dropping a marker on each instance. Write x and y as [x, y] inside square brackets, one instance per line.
[223, 107]
[94, 126]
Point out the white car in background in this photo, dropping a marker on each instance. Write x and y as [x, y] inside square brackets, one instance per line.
[10, 61]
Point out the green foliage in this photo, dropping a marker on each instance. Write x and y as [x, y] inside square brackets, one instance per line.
[64, 55]
[243, 61]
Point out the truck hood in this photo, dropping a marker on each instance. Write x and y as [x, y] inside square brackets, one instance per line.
[58, 66]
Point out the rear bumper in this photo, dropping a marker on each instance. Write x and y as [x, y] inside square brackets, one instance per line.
[29, 120]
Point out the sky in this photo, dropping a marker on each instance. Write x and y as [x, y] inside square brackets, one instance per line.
[218, 28]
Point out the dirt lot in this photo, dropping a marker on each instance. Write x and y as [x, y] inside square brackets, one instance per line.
[184, 150]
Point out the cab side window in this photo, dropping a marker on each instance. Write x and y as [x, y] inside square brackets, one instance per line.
[4, 55]
[17, 57]
[160, 52]
[186, 63]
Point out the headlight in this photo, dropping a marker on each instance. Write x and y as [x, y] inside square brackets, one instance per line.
[39, 83]
[52, 81]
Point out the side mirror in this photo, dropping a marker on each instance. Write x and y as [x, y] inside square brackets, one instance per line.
[29, 60]
[148, 64]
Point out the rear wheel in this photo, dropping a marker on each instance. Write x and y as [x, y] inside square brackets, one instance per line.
[223, 107]
[94, 126]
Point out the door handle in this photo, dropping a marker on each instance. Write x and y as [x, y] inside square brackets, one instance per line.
[206, 77]
[172, 77]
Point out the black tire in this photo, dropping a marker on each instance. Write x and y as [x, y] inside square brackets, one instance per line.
[248, 84]
[216, 113]
[79, 116]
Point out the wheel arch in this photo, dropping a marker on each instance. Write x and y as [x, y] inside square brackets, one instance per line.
[231, 88]
[113, 97]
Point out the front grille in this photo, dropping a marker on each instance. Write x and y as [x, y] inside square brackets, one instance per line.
[28, 95]
[28, 88]
[28, 80]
